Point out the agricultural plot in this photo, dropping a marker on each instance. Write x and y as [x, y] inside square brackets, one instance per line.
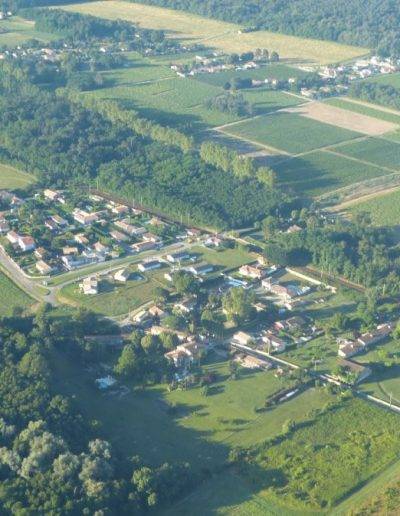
[364, 109]
[16, 30]
[11, 178]
[384, 210]
[378, 151]
[323, 171]
[12, 297]
[139, 70]
[392, 79]
[219, 35]
[290, 132]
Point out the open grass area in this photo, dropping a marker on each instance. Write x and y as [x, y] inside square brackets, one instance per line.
[219, 35]
[12, 178]
[226, 258]
[16, 30]
[378, 151]
[321, 172]
[12, 296]
[383, 209]
[290, 132]
[363, 109]
[392, 79]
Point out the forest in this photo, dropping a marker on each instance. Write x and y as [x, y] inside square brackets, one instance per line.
[374, 92]
[371, 23]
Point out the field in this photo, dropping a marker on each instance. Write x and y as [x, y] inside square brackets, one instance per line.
[15, 31]
[378, 151]
[364, 109]
[219, 35]
[383, 209]
[322, 171]
[11, 297]
[290, 132]
[392, 79]
[11, 178]
[345, 119]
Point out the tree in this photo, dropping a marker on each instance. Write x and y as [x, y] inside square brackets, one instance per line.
[237, 304]
[130, 363]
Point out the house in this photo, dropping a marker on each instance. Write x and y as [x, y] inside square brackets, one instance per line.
[4, 226]
[150, 237]
[118, 236]
[293, 323]
[120, 209]
[250, 362]
[157, 312]
[242, 338]
[141, 317]
[50, 224]
[13, 237]
[43, 267]
[71, 262]
[26, 243]
[158, 330]
[59, 220]
[178, 257]
[122, 275]
[90, 285]
[100, 248]
[184, 355]
[201, 270]
[40, 253]
[149, 266]
[81, 239]
[193, 233]
[129, 229]
[349, 348]
[155, 221]
[84, 218]
[251, 271]
[357, 371]
[293, 229]
[275, 344]
[186, 305]
[51, 195]
[214, 241]
[370, 338]
[143, 246]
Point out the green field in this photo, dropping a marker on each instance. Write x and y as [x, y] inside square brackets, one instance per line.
[322, 171]
[11, 178]
[363, 109]
[219, 35]
[16, 30]
[378, 151]
[383, 209]
[272, 71]
[392, 79]
[290, 132]
[11, 297]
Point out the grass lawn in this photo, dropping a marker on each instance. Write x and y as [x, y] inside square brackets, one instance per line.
[114, 299]
[321, 172]
[12, 178]
[363, 109]
[227, 258]
[17, 31]
[392, 79]
[12, 296]
[290, 132]
[318, 464]
[140, 69]
[217, 34]
[383, 209]
[379, 151]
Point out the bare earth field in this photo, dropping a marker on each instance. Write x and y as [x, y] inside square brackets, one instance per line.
[219, 35]
[343, 118]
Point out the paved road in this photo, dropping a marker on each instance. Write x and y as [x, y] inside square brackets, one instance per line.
[12, 270]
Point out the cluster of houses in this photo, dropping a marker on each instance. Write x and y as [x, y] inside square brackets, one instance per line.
[349, 348]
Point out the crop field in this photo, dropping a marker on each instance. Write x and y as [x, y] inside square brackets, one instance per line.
[392, 79]
[16, 30]
[272, 71]
[290, 132]
[378, 151]
[323, 171]
[364, 109]
[11, 178]
[383, 209]
[12, 297]
[140, 69]
[219, 35]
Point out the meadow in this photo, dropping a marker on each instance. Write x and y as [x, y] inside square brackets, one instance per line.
[12, 178]
[378, 151]
[16, 30]
[392, 79]
[321, 171]
[290, 132]
[384, 210]
[12, 297]
[219, 35]
[363, 109]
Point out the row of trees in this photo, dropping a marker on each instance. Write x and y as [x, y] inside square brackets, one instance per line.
[232, 103]
[374, 92]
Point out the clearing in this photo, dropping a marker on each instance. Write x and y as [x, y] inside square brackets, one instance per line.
[339, 117]
[15, 31]
[219, 35]
[12, 297]
[12, 178]
[384, 209]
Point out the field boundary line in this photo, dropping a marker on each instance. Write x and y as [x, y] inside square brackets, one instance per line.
[377, 107]
[363, 162]
[253, 142]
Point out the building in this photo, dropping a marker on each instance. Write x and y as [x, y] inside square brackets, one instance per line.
[122, 275]
[26, 243]
[242, 338]
[157, 312]
[43, 267]
[349, 348]
[370, 338]
[250, 362]
[118, 236]
[40, 253]
[143, 246]
[100, 248]
[120, 209]
[275, 344]
[201, 270]
[178, 257]
[51, 195]
[12, 237]
[129, 229]
[59, 220]
[184, 355]
[149, 266]
[214, 241]
[4, 226]
[186, 305]
[68, 250]
[84, 218]
[81, 239]
[356, 371]
[151, 237]
[90, 286]
[251, 271]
